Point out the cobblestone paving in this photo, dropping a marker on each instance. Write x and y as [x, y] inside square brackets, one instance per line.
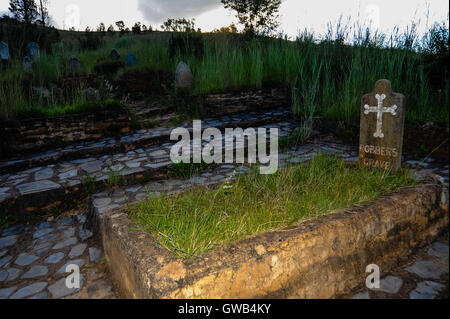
[73, 173]
[421, 276]
[33, 261]
[110, 145]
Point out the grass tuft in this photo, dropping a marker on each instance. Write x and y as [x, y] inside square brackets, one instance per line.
[200, 220]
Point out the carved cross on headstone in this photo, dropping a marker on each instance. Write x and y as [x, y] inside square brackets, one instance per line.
[381, 136]
[380, 110]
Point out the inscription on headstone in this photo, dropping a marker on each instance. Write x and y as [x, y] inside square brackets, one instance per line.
[381, 132]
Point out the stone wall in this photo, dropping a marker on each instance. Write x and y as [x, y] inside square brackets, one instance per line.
[234, 102]
[31, 134]
[317, 259]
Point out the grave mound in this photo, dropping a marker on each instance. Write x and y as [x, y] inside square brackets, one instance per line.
[146, 82]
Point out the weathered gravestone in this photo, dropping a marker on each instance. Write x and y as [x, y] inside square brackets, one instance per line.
[114, 54]
[33, 51]
[131, 59]
[4, 52]
[74, 64]
[381, 132]
[184, 79]
[27, 63]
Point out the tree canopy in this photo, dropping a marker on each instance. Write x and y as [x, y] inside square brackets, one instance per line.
[257, 16]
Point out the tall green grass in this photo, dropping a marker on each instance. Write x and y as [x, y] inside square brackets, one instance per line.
[329, 76]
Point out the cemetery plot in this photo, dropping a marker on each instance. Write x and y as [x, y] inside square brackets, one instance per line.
[278, 264]
[381, 128]
[258, 203]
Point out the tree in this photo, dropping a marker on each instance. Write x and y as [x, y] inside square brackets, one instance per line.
[101, 27]
[120, 25]
[179, 25]
[43, 13]
[23, 10]
[230, 29]
[111, 29]
[144, 28]
[136, 28]
[257, 16]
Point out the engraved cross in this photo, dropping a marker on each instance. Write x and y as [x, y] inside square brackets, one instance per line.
[380, 110]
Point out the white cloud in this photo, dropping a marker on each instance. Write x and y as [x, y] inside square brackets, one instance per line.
[156, 11]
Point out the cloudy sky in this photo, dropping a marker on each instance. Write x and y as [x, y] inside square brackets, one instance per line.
[210, 14]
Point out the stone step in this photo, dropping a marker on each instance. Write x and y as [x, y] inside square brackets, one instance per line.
[135, 140]
[39, 188]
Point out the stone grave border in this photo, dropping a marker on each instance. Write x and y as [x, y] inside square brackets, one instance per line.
[318, 258]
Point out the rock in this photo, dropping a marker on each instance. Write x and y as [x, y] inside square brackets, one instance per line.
[6, 292]
[27, 63]
[65, 243]
[77, 250]
[426, 269]
[55, 258]
[33, 51]
[14, 230]
[184, 79]
[29, 290]
[68, 233]
[114, 54]
[426, 290]
[42, 232]
[95, 254]
[42, 295]
[84, 233]
[81, 218]
[44, 225]
[37, 187]
[3, 275]
[74, 64]
[7, 241]
[79, 262]
[13, 273]
[36, 271]
[92, 167]
[45, 173]
[65, 221]
[390, 285]
[131, 59]
[42, 247]
[99, 290]
[69, 174]
[59, 289]
[4, 260]
[25, 259]
[439, 250]
[362, 295]
[4, 52]
[102, 202]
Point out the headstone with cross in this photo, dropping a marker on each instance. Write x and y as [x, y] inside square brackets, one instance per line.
[4, 52]
[33, 51]
[381, 131]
